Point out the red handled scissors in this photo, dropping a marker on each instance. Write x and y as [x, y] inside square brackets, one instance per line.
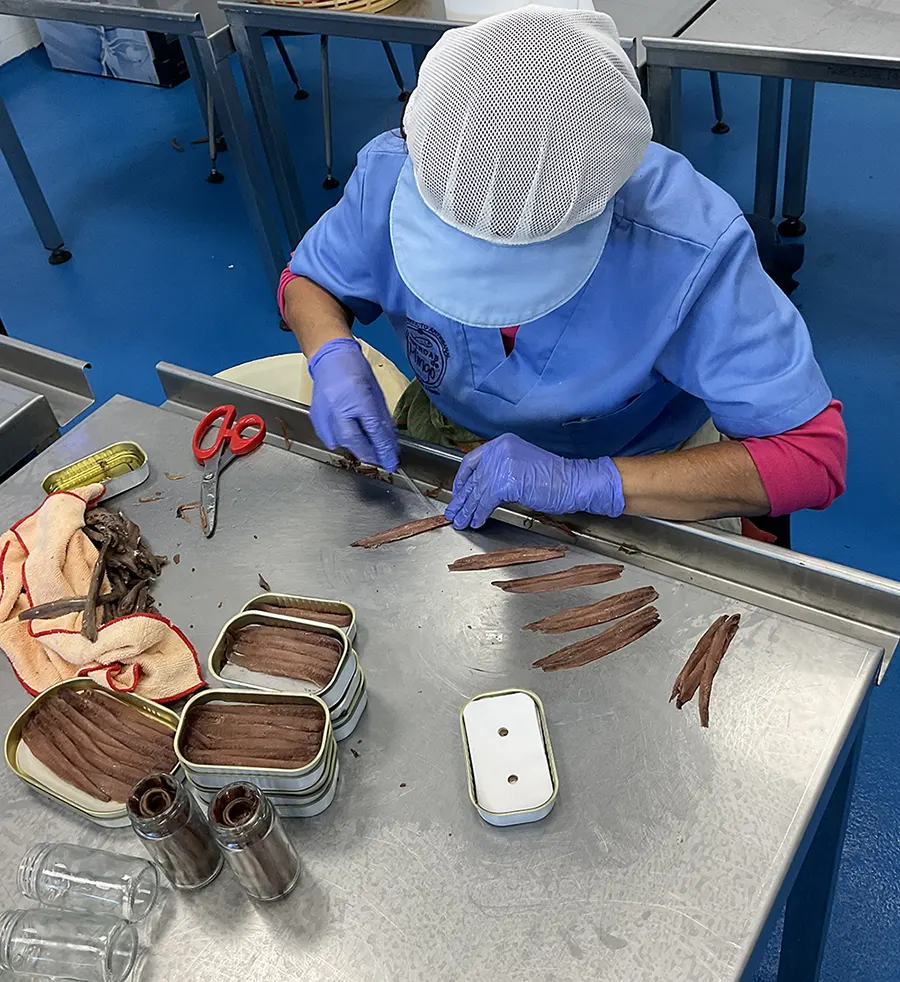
[231, 441]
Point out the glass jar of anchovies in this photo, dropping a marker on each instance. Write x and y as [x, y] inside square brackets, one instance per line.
[255, 844]
[174, 831]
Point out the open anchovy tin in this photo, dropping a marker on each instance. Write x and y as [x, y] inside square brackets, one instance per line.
[509, 761]
[331, 694]
[120, 467]
[310, 607]
[27, 767]
[278, 779]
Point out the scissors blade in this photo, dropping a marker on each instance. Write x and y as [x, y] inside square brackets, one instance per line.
[209, 495]
[432, 505]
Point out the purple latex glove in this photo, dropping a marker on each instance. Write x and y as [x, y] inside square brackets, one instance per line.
[348, 408]
[510, 470]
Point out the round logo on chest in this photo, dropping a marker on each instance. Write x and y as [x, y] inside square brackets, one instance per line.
[428, 354]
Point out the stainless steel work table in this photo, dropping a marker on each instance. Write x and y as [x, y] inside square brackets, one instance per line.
[40, 391]
[207, 45]
[807, 41]
[416, 22]
[670, 847]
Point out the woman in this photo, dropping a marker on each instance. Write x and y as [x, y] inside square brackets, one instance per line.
[574, 295]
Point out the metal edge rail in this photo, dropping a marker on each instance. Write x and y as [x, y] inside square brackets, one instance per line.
[818, 592]
[25, 430]
[795, 63]
[85, 12]
[61, 379]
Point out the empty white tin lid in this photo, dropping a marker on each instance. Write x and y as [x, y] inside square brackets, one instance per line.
[512, 775]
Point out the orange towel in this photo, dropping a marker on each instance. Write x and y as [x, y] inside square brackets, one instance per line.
[45, 557]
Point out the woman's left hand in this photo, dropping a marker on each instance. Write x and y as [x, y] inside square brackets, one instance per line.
[508, 469]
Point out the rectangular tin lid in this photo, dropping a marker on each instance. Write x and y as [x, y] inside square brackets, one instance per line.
[510, 764]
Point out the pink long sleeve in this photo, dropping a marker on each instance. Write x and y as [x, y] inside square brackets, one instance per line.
[286, 277]
[805, 467]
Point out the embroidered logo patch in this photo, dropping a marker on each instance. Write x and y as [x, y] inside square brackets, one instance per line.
[428, 354]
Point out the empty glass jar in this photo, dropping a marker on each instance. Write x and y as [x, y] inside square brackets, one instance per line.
[89, 880]
[63, 944]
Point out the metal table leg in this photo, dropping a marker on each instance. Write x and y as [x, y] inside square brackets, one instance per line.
[198, 80]
[664, 101]
[395, 71]
[796, 167]
[418, 54]
[329, 184]
[198, 76]
[248, 42]
[11, 148]
[299, 92]
[215, 176]
[266, 225]
[768, 145]
[809, 904]
[720, 126]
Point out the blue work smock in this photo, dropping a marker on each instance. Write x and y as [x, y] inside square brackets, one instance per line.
[677, 322]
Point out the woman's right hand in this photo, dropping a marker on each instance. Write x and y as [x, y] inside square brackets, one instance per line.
[348, 408]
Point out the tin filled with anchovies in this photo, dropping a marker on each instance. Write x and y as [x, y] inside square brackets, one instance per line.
[86, 747]
[278, 741]
[254, 842]
[271, 652]
[336, 613]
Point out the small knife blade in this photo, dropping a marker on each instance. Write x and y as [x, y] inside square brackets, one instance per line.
[432, 504]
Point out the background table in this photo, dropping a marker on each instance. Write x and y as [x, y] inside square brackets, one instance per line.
[207, 46]
[416, 22]
[807, 41]
[670, 848]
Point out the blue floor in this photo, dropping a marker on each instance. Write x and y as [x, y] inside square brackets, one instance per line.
[166, 268]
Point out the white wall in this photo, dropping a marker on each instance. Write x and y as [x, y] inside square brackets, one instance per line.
[17, 34]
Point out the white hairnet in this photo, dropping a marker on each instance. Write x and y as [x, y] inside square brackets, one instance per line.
[526, 124]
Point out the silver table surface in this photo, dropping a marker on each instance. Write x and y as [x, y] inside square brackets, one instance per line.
[871, 27]
[666, 846]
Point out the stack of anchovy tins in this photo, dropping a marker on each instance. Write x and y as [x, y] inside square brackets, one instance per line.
[284, 643]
